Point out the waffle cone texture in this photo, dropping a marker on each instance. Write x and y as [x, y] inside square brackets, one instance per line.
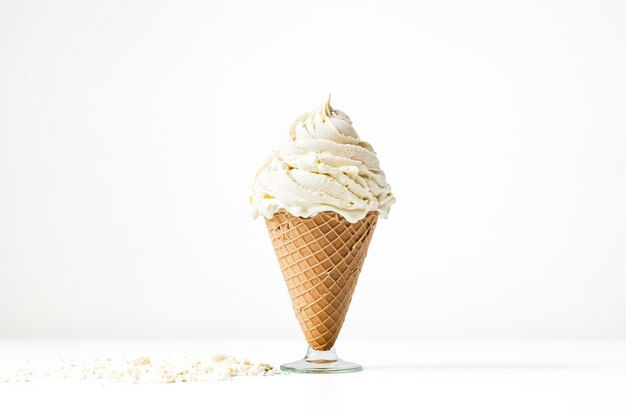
[321, 258]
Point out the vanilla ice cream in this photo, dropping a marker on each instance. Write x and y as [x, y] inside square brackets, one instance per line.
[324, 166]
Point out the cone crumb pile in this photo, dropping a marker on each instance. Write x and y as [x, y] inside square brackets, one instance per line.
[321, 258]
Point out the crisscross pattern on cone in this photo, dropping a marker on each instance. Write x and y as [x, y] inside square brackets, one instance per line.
[321, 258]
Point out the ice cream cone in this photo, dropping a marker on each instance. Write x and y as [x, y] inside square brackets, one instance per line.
[321, 258]
[321, 194]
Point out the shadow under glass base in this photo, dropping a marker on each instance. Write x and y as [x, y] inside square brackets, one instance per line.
[321, 362]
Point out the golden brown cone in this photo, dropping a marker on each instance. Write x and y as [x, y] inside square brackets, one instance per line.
[321, 258]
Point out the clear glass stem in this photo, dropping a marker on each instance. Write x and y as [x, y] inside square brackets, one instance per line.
[321, 356]
[321, 362]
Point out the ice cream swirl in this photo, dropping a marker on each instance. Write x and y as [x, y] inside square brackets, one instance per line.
[324, 167]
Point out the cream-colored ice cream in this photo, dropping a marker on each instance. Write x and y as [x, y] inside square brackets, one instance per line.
[324, 167]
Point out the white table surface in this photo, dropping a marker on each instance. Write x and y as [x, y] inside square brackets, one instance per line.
[401, 377]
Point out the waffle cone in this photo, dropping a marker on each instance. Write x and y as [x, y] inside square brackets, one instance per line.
[321, 258]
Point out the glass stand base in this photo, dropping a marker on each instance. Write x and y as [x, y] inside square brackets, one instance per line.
[321, 362]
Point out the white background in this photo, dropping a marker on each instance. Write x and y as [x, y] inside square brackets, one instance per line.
[130, 132]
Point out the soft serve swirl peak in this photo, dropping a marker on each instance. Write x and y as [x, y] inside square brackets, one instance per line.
[324, 167]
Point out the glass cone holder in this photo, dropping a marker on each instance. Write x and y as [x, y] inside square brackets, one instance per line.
[321, 362]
